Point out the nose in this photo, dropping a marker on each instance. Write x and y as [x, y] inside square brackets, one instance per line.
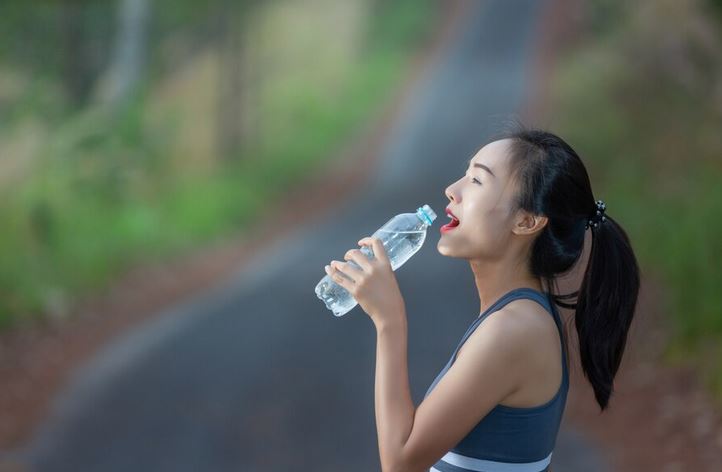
[450, 195]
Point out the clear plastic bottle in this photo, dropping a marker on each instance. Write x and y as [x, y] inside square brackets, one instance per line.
[402, 236]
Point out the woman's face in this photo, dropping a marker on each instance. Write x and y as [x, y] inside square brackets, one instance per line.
[482, 201]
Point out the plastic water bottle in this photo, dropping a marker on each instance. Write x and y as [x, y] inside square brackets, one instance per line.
[402, 236]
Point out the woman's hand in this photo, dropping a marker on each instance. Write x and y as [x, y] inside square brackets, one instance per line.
[374, 286]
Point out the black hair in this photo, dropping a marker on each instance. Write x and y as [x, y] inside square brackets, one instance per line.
[552, 181]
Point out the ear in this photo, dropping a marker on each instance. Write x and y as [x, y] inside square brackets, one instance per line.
[527, 223]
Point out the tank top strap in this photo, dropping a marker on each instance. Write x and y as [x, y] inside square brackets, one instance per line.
[514, 294]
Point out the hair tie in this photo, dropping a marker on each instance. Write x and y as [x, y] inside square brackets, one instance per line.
[597, 218]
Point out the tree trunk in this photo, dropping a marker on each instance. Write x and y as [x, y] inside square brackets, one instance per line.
[77, 76]
[129, 52]
[230, 86]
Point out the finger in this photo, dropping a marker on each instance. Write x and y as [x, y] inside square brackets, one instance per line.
[379, 251]
[359, 258]
[367, 243]
[337, 277]
[353, 273]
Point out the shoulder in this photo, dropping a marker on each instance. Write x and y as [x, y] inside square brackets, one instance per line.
[527, 315]
[513, 331]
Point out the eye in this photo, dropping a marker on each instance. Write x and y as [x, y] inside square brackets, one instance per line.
[474, 180]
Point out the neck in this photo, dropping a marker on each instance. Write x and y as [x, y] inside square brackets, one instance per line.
[495, 278]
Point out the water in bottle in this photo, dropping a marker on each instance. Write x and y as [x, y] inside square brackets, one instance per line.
[402, 236]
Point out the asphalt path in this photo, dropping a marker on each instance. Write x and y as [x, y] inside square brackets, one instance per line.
[256, 374]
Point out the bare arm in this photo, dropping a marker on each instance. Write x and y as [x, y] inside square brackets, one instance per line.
[394, 406]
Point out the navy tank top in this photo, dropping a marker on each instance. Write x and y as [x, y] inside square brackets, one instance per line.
[510, 439]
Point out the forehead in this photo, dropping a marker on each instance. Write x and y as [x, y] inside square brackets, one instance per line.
[494, 155]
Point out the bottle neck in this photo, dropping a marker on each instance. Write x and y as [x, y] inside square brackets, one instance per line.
[423, 217]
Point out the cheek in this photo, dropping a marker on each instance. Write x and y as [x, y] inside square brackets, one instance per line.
[490, 228]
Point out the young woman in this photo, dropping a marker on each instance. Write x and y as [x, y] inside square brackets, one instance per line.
[519, 216]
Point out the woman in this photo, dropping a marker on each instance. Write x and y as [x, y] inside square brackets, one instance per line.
[519, 216]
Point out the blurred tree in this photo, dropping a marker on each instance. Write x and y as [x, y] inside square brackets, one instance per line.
[232, 16]
[77, 72]
[230, 39]
[129, 52]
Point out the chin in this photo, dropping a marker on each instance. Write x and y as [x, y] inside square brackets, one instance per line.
[443, 248]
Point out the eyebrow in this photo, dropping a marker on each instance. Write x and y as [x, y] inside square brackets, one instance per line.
[481, 166]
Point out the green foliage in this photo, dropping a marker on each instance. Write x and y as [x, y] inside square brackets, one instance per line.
[106, 190]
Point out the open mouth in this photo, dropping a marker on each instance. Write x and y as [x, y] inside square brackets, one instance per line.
[451, 225]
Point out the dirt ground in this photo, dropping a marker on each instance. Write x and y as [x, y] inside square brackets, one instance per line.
[660, 418]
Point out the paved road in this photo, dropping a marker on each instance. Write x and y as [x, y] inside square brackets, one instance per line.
[256, 375]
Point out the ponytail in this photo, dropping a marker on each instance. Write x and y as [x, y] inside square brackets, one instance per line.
[605, 306]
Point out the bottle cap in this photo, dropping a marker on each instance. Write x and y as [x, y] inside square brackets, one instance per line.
[426, 214]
